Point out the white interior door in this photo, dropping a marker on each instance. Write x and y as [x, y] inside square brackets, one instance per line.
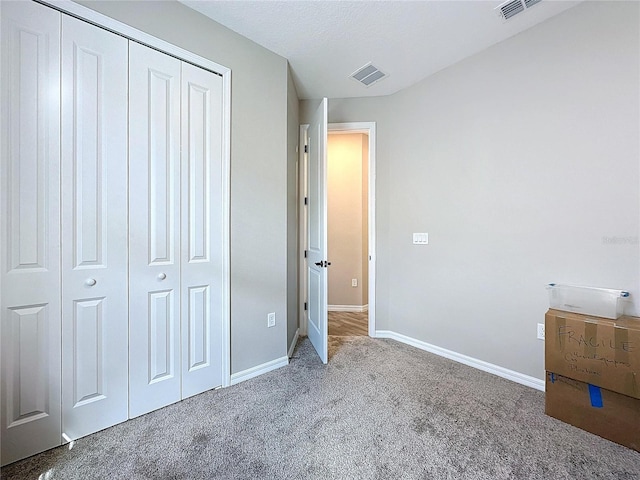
[154, 229]
[202, 234]
[317, 328]
[94, 229]
[29, 230]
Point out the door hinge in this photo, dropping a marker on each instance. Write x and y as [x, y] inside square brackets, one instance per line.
[305, 305]
[305, 254]
[306, 200]
[306, 149]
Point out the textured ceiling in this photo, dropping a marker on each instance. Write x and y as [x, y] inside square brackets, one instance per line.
[326, 41]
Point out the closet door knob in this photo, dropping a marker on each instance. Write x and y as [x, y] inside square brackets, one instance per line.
[90, 282]
[162, 276]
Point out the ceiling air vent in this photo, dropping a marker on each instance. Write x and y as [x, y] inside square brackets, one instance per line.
[529, 3]
[508, 9]
[368, 75]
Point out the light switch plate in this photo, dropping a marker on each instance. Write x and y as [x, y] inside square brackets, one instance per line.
[420, 238]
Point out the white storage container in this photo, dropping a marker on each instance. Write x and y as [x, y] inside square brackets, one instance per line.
[599, 302]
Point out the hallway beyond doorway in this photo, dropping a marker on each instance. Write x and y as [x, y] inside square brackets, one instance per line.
[349, 324]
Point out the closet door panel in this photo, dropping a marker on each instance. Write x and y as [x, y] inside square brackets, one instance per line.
[29, 230]
[202, 275]
[154, 229]
[94, 229]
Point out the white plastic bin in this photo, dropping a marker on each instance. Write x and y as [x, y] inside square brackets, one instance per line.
[599, 302]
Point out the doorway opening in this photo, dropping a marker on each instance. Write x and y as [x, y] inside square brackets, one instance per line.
[351, 228]
[347, 233]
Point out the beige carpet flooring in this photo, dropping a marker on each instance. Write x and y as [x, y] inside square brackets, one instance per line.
[378, 410]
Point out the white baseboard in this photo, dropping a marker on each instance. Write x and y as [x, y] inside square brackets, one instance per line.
[293, 343]
[258, 370]
[348, 308]
[517, 377]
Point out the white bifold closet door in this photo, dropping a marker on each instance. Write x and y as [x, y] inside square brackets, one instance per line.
[154, 236]
[175, 214]
[94, 229]
[202, 285]
[111, 280]
[29, 230]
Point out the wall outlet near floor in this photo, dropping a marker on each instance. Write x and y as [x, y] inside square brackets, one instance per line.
[541, 331]
[354, 282]
[271, 319]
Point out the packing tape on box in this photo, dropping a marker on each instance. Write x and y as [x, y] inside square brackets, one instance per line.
[595, 395]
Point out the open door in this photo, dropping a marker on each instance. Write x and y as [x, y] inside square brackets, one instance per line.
[317, 328]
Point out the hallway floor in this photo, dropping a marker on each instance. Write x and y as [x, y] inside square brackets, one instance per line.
[349, 324]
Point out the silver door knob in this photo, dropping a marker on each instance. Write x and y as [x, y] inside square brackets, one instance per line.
[162, 276]
[90, 282]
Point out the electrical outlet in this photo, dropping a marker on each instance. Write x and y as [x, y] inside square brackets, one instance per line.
[271, 319]
[541, 331]
[354, 282]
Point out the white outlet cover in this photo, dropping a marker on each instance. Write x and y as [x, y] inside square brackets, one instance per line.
[271, 320]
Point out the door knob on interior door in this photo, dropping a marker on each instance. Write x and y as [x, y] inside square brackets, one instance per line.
[162, 276]
[319, 264]
[90, 282]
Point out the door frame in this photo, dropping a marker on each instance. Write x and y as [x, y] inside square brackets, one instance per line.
[110, 24]
[368, 128]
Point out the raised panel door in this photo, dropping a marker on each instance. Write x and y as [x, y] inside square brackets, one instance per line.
[201, 224]
[317, 321]
[94, 229]
[154, 229]
[29, 230]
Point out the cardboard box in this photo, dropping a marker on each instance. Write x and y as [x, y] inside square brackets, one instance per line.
[594, 350]
[608, 414]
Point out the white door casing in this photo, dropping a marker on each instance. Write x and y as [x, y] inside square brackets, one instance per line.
[154, 229]
[94, 229]
[29, 230]
[317, 325]
[202, 306]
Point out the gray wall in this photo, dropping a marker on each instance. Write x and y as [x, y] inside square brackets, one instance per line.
[293, 135]
[522, 164]
[258, 168]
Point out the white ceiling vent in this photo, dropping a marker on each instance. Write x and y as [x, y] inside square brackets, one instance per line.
[368, 75]
[510, 8]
